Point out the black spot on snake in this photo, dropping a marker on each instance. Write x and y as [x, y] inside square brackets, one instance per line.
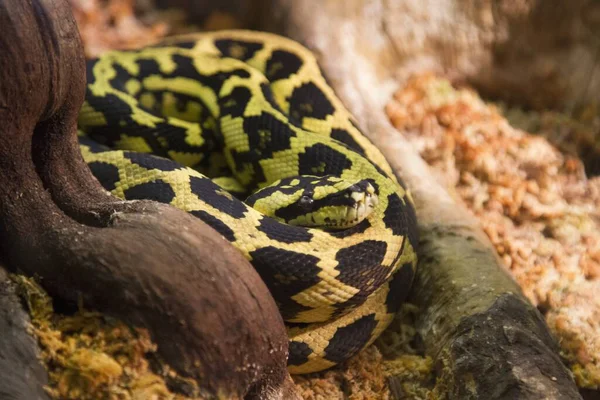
[360, 267]
[398, 216]
[148, 67]
[151, 162]
[215, 223]
[359, 228]
[118, 113]
[299, 353]
[220, 78]
[309, 101]
[282, 232]
[157, 190]
[268, 95]
[186, 45]
[121, 77]
[89, 70]
[281, 65]
[320, 159]
[210, 193]
[115, 111]
[292, 309]
[344, 136]
[286, 273]
[349, 340]
[269, 190]
[266, 135]
[185, 69]
[235, 103]
[107, 174]
[92, 145]
[182, 101]
[241, 50]
[176, 138]
[171, 138]
[399, 287]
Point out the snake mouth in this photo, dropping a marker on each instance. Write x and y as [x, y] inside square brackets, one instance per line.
[363, 201]
[362, 208]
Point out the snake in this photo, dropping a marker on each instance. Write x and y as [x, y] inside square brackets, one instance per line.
[242, 130]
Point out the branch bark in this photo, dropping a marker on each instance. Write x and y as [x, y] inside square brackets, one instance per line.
[489, 342]
[142, 262]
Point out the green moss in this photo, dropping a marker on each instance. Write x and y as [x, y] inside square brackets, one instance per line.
[92, 357]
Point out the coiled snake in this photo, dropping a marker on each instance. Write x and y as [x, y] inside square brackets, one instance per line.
[228, 114]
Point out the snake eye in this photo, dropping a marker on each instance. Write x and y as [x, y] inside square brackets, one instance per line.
[306, 202]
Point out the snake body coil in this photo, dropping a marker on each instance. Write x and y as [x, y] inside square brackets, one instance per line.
[251, 113]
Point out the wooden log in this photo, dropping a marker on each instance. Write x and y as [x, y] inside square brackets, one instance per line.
[487, 339]
[147, 264]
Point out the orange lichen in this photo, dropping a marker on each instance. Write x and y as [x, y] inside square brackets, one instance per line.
[534, 203]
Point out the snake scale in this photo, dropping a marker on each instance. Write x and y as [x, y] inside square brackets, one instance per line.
[202, 121]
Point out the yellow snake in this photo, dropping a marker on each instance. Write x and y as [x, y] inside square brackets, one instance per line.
[229, 114]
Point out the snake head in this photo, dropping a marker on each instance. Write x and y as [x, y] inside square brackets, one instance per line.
[325, 202]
